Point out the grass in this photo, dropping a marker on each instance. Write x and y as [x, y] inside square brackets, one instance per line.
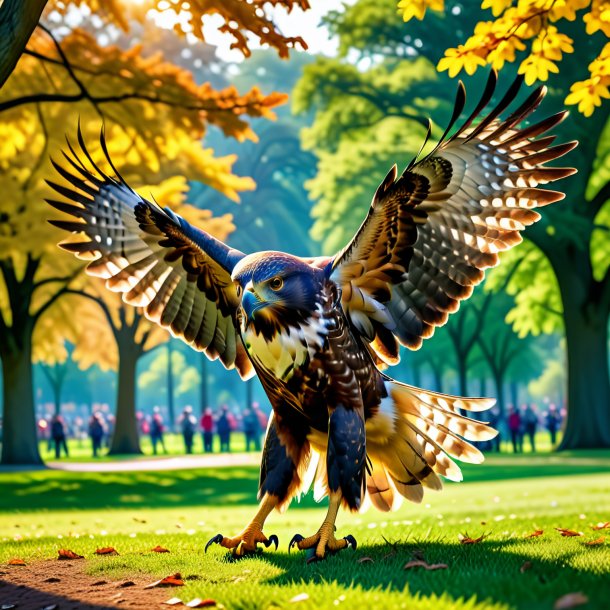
[506, 498]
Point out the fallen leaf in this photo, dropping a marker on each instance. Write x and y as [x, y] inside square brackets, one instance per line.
[107, 550]
[159, 549]
[527, 565]
[466, 539]
[127, 583]
[571, 600]
[427, 566]
[174, 601]
[142, 521]
[67, 554]
[51, 607]
[366, 559]
[301, 597]
[568, 533]
[175, 580]
[390, 554]
[597, 542]
[535, 534]
[201, 603]
[53, 579]
[601, 526]
[16, 562]
[99, 583]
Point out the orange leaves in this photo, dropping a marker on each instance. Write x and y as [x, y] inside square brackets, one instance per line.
[601, 526]
[417, 563]
[535, 534]
[107, 550]
[65, 554]
[239, 20]
[16, 562]
[568, 533]
[466, 539]
[175, 580]
[597, 542]
[159, 549]
[571, 600]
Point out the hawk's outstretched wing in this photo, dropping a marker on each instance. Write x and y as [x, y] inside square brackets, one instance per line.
[178, 274]
[432, 231]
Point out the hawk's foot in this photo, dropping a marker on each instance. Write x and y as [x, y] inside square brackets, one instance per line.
[322, 541]
[245, 543]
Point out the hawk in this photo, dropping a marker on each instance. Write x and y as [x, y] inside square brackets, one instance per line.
[319, 332]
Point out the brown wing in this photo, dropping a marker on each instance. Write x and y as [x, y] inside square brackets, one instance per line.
[432, 231]
[178, 274]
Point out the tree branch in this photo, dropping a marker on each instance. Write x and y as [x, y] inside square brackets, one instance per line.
[18, 18]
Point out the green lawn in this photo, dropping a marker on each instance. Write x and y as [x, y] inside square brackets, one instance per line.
[506, 498]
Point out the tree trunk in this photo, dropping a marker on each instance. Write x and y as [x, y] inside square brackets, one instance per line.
[18, 18]
[170, 388]
[462, 370]
[204, 383]
[588, 396]
[437, 374]
[514, 393]
[57, 396]
[482, 386]
[125, 439]
[19, 437]
[499, 383]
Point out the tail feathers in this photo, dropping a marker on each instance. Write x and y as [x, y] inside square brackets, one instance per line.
[422, 431]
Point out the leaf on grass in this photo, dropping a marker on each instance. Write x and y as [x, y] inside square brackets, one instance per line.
[601, 526]
[527, 565]
[301, 597]
[127, 583]
[366, 559]
[568, 533]
[598, 542]
[175, 580]
[144, 521]
[571, 600]
[16, 562]
[202, 603]
[466, 539]
[174, 601]
[107, 550]
[67, 554]
[427, 566]
[535, 534]
[160, 549]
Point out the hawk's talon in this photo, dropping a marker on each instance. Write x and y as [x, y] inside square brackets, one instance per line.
[295, 540]
[273, 539]
[214, 540]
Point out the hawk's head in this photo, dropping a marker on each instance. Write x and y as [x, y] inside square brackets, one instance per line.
[276, 290]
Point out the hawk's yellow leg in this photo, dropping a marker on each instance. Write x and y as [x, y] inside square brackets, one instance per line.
[324, 539]
[247, 541]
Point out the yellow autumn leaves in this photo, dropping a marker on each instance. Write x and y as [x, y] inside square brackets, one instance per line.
[528, 27]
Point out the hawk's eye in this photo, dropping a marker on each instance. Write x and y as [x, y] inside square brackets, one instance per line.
[239, 290]
[276, 283]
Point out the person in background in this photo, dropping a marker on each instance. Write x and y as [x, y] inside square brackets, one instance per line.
[252, 430]
[58, 435]
[188, 426]
[514, 427]
[207, 427]
[223, 427]
[156, 431]
[552, 422]
[530, 423]
[96, 432]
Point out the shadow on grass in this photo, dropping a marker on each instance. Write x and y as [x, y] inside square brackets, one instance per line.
[491, 570]
[232, 486]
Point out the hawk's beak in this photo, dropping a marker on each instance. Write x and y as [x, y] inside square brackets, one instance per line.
[251, 304]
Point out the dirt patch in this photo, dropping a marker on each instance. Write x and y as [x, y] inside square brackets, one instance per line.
[64, 583]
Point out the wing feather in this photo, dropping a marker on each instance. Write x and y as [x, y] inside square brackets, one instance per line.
[430, 233]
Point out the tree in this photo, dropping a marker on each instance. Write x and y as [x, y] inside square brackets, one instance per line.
[156, 116]
[571, 234]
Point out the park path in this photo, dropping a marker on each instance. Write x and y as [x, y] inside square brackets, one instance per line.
[178, 462]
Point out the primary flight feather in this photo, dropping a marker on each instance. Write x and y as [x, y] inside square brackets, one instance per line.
[317, 330]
